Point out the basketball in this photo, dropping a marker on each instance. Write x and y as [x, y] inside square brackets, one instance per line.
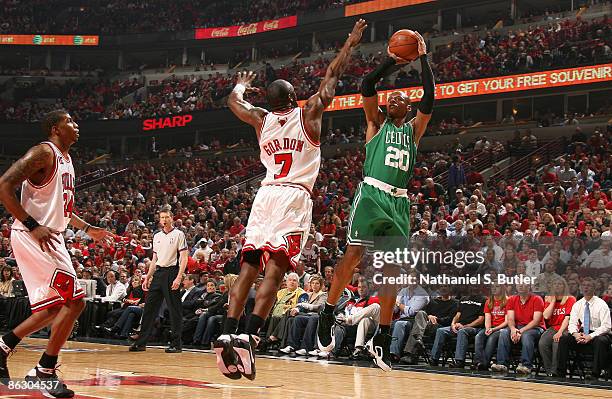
[404, 44]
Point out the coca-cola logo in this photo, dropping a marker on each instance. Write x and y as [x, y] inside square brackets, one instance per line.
[221, 32]
[247, 29]
[271, 25]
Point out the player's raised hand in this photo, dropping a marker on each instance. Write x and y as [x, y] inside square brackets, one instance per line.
[422, 48]
[398, 60]
[355, 35]
[45, 237]
[245, 78]
[100, 235]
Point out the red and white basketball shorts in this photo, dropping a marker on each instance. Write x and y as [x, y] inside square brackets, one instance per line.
[279, 222]
[48, 276]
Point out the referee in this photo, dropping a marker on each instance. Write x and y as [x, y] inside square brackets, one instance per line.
[163, 281]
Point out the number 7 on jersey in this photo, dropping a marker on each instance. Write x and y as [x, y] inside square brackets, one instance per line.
[286, 160]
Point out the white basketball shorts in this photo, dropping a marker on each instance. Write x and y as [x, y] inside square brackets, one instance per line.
[48, 276]
[279, 222]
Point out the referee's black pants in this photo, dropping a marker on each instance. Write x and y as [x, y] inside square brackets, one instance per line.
[161, 288]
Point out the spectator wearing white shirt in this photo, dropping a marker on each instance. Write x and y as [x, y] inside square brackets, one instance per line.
[477, 206]
[573, 188]
[565, 173]
[590, 325]
[203, 249]
[457, 230]
[600, 258]
[491, 244]
[115, 290]
[608, 233]
[533, 266]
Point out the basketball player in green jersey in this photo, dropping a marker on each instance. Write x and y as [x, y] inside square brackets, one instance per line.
[381, 206]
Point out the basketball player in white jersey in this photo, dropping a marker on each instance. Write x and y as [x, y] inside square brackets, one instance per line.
[280, 218]
[46, 177]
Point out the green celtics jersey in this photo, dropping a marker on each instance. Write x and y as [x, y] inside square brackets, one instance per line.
[391, 154]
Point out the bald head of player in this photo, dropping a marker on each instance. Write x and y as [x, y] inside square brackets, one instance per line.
[398, 105]
[281, 95]
[59, 124]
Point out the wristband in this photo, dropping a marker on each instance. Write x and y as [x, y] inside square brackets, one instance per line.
[30, 223]
[240, 88]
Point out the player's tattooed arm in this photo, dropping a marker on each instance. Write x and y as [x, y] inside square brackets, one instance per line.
[244, 110]
[35, 165]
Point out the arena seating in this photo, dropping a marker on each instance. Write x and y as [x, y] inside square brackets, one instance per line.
[571, 42]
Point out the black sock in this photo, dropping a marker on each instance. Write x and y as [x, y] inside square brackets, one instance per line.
[329, 308]
[254, 324]
[384, 329]
[230, 326]
[11, 340]
[47, 361]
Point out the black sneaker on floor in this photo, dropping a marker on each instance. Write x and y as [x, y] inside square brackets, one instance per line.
[457, 364]
[325, 332]
[174, 349]
[227, 359]
[244, 346]
[4, 371]
[137, 348]
[55, 387]
[379, 347]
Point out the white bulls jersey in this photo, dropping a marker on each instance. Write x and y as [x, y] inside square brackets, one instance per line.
[51, 203]
[289, 155]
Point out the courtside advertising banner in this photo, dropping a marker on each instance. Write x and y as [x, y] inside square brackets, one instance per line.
[245, 30]
[49, 40]
[495, 85]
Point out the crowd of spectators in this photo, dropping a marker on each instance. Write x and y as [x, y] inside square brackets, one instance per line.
[566, 43]
[86, 99]
[140, 16]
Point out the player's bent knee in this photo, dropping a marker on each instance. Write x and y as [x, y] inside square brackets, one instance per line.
[76, 305]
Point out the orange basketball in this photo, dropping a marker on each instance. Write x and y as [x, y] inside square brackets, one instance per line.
[404, 44]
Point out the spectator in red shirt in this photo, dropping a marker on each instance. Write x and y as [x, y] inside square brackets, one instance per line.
[495, 321]
[548, 176]
[236, 228]
[557, 308]
[525, 325]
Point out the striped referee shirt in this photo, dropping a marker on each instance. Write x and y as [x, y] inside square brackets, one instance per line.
[167, 247]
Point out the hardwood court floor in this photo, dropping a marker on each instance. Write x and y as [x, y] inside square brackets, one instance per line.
[109, 371]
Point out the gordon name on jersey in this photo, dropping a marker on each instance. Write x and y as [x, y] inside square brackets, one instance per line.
[284, 144]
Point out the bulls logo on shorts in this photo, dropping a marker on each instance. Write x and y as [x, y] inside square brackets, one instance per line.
[294, 244]
[63, 283]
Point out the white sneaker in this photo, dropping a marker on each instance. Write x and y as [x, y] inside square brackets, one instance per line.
[323, 354]
[287, 349]
[301, 352]
[314, 352]
[499, 368]
[520, 369]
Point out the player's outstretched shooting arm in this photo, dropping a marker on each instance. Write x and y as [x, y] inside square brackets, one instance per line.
[317, 103]
[426, 105]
